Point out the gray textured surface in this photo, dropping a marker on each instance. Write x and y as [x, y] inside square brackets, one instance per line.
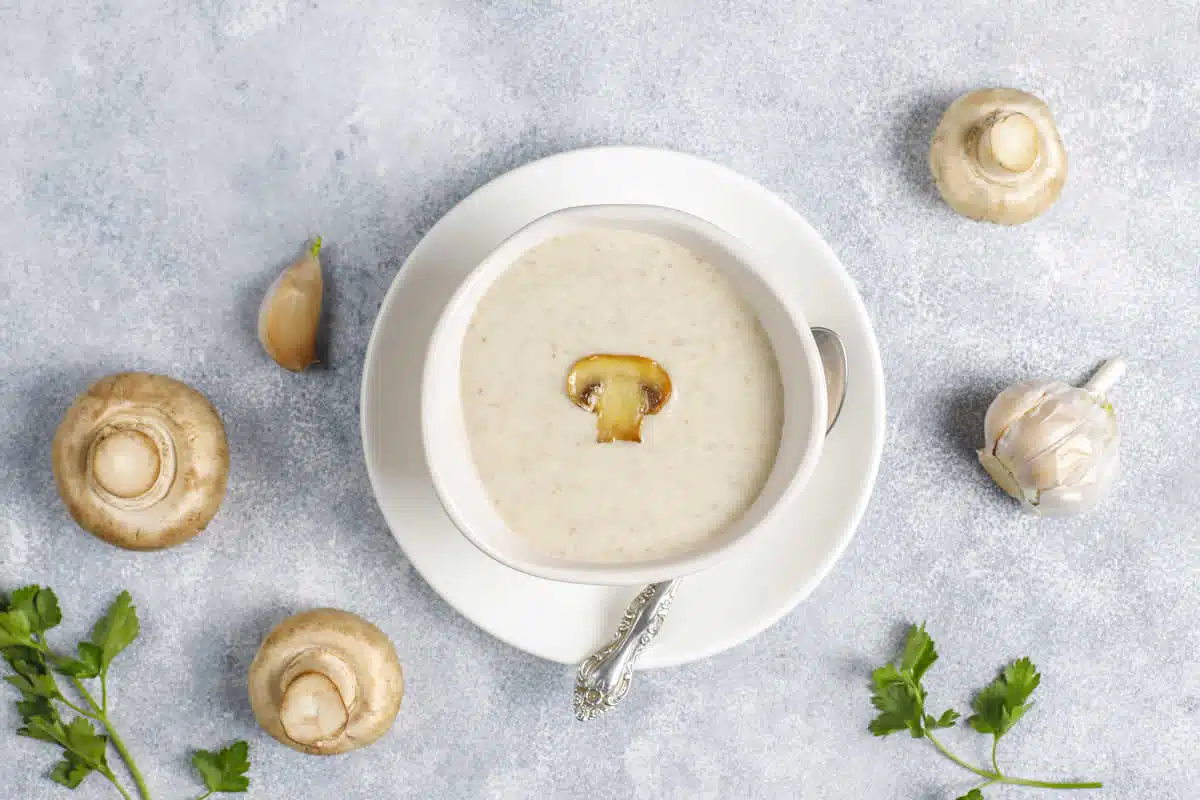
[163, 160]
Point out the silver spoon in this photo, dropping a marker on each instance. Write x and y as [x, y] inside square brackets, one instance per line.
[604, 678]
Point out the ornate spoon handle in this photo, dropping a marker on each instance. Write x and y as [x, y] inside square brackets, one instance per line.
[605, 677]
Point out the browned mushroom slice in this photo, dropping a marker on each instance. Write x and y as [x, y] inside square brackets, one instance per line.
[620, 390]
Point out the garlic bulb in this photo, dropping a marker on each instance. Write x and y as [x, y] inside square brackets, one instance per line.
[291, 312]
[1054, 446]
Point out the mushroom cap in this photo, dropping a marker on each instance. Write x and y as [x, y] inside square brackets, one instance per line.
[592, 371]
[620, 390]
[141, 461]
[330, 658]
[997, 156]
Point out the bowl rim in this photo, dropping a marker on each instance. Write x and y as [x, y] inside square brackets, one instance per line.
[672, 567]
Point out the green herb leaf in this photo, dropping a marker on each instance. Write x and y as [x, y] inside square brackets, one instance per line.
[224, 771]
[116, 630]
[899, 694]
[86, 744]
[919, 653]
[86, 666]
[974, 794]
[38, 606]
[25, 660]
[15, 629]
[1003, 702]
[44, 728]
[70, 772]
[35, 685]
[898, 700]
[37, 708]
[947, 720]
[49, 614]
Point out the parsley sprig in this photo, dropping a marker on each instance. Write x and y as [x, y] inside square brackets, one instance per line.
[900, 699]
[224, 771]
[25, 618]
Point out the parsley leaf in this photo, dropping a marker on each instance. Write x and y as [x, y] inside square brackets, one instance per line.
[947, 720]
[899, 694]
[84, 742]
[919, 653]
[1003, 701]
[86, 666]
[70, 772]
[38, 606]
[899, 703]
[28, 614]
[116, 630]
[224, 771]
[974, 794]
[15, 630]
[34, 685]
[46, 727]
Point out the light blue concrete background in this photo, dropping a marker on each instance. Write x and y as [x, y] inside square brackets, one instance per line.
[162, 160]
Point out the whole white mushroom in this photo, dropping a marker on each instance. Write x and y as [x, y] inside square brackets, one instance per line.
[325, 682]
[141, 461]
[1054, 446]
[997, 156]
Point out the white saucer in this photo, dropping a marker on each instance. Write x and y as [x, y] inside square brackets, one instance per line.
[716, 609]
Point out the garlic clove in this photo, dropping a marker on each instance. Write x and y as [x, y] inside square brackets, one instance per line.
[1009, 405]
[291, 312]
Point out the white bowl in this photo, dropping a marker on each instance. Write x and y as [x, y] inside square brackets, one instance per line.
[448, 450]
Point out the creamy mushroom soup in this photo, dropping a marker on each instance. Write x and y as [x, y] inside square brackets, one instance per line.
[705, 454]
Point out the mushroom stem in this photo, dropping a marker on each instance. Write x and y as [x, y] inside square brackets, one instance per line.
[1107, 376]
[620, 408]
[319, 693]
[313, 711]
[1007, 144]
[131, 462]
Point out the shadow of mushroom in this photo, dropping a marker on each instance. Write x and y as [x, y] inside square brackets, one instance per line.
[248, 631]
[45, 397]
[910, 148]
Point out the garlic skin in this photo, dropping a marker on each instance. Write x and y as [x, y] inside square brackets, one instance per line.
[1054, 446]
[291, 312]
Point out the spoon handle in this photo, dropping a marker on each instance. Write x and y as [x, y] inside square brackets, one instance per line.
[605, 677]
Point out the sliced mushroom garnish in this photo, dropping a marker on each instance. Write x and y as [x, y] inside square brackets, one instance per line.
[620, 391]
[326, 681]
[141, 461]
